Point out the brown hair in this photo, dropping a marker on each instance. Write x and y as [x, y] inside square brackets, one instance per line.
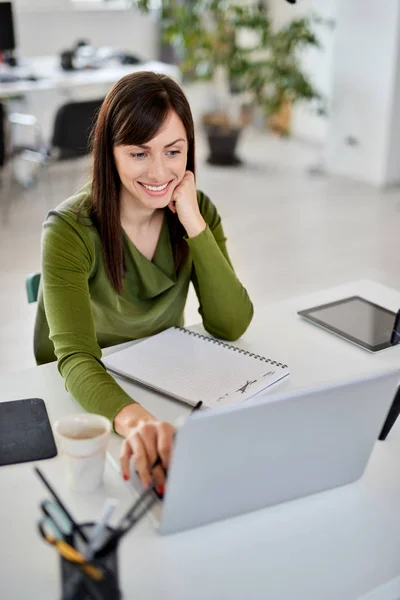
[132, 114]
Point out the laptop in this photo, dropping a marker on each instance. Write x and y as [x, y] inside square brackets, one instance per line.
[272, 449]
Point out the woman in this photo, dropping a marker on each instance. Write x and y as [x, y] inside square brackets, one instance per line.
[118, 257]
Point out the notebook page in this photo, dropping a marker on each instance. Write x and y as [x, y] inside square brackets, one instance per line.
[191, 368]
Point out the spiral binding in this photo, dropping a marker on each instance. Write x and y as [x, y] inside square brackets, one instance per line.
[233, 348]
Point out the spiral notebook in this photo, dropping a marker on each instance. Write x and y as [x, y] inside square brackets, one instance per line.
[189, 367]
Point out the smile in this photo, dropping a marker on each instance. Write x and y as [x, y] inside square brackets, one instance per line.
[155, 188]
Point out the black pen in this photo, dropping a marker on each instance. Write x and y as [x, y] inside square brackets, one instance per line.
[157, 462]
[131, 518]
[61, 505]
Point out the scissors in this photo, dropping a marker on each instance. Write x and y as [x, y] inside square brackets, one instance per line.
[55, 513]
[51, 533]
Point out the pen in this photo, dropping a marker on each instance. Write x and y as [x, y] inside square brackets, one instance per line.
[100, 531]
[134, 514]
[157, 462]
[61, 505]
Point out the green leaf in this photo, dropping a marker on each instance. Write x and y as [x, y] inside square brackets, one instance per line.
[206, 33]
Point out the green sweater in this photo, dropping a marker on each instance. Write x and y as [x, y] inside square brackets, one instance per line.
[79, 312]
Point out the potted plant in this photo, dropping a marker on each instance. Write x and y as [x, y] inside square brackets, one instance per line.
[235, 45]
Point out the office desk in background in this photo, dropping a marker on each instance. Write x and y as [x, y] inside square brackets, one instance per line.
[340, 544]
[55, 86]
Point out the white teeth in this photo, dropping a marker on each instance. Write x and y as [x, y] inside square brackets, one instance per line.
[153, 188]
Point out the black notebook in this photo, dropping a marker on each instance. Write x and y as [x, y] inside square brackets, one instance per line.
[189, 367]
[25, 432]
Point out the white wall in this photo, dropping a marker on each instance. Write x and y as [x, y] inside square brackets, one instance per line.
[49, 26]
[317, 63]
[392, 174]
[365, 92]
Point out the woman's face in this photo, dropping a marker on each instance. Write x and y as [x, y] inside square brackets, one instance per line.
[149, 174]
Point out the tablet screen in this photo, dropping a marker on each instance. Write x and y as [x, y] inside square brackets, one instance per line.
[357, 320]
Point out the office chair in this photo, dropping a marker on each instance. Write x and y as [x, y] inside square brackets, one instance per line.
[32, 283]
[72, 126]
[6, 179]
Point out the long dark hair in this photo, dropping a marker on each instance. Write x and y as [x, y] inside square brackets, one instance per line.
[132, 114]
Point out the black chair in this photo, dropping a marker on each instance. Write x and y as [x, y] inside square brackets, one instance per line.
[72, 127]
[391, 417]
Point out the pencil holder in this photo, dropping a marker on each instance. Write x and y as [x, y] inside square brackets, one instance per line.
[97, 579]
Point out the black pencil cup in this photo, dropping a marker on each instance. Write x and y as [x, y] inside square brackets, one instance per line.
[97, 580]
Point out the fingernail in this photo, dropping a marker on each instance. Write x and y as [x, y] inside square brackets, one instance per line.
[160, 489]
[125, 477]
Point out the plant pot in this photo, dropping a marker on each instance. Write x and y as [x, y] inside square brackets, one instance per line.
[281, 121]
[222, 144]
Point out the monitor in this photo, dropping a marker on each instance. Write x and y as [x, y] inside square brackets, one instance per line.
[7, 36]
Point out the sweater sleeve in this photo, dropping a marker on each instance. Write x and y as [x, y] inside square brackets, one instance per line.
[66, 262]
[225, 306]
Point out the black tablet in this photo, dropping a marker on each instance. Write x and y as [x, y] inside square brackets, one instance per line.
[25, 432]
[357, 320]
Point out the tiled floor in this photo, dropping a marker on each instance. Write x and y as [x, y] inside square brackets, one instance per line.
[290, 230]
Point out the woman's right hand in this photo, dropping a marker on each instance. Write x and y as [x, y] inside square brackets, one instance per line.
[146, 442]
[146, 439]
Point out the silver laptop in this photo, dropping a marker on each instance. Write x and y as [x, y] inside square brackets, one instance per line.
[271, 449]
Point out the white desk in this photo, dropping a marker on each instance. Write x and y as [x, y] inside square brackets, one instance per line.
[343, 543]
[56, 86]
[51, 76]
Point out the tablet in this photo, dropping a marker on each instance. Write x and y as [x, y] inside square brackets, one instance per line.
[362, 322]
[25, 432]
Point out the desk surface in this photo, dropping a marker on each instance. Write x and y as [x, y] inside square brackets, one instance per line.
[343, 543]
[52, 77]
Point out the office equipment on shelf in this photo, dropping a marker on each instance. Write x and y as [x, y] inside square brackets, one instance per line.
[357, 320]
[83, 55]
[274, 449]
[189, 367]
[25, 432]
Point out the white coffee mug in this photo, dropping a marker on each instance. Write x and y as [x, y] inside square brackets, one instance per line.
[82, 440]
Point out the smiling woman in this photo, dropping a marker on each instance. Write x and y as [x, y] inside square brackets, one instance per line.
[118, 258]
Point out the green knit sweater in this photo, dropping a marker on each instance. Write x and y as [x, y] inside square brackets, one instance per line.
[79, 312]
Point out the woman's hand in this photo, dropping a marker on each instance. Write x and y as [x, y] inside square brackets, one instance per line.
[146, 439]
[184, 203]
[146, 442]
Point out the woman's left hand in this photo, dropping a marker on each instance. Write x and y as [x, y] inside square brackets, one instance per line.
[184, 203]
